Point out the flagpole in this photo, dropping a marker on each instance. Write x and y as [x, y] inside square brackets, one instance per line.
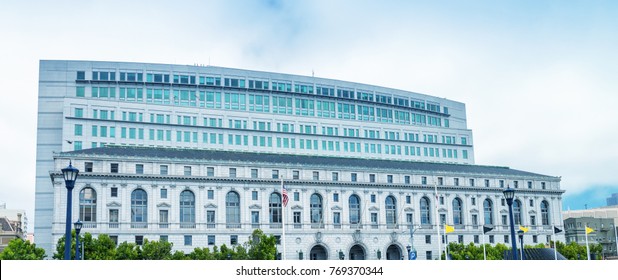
[615, 235]
[437, 222]
[555, 247]
[282, 221]
[484, 252]
[587, 248]
[445, 244]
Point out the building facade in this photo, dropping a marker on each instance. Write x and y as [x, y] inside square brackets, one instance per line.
[88, 110]
[13, 224]
[604, 233]
[612, 200]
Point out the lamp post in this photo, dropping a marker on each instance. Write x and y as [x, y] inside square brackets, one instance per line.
[379, 254]
[521, 242]
[509, 194]
[78, 228]
[70, 175]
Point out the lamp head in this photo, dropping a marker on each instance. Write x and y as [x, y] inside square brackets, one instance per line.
[70, 174]
[78, 226]
[509, 194]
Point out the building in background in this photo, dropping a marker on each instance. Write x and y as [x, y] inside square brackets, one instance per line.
[14, 224]
[604, 232]
[612, 200]
[196, 155]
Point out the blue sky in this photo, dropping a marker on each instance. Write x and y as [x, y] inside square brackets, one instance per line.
[538, 77]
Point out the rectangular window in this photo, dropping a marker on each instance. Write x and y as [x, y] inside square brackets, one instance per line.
[473, 201]
[114, 168]
[78, 130]
[335, 176]
[476, 239]
[163, 238]
[460, 239]
[232, 172]
[296, 196]
[427, 239]
[164, 219]
[535, 239]
[88, 167]
[374, 220]
[188, 240]
[316, 175]
[337, 219]
[187, 170]
[163, 193]
[424, 180]
[295, 174]
[373, 198]
[456, 181]
[163, 169]
[389, 179]
[211, 194]
[275, 174]
[139, 169]
[336, 197]
[428, 255]
[406, 179]
[372, 178]
[408, 199]
[211, 240]
[233, 239]
[254, 195]
[491, 239]
[353, 177]
[210, 219]
[504, 220]
[139, 240]
[255, 219]
[254, 173]
[297, 222]
[486, 183]
[440, 181]
[506, 239]
[210, 171]
[114, 192]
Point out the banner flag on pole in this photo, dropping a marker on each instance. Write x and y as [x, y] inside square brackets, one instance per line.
[487, 229]
[589, 230]
[448, 228]
[557, 230]
[284, 193]
[524, 229]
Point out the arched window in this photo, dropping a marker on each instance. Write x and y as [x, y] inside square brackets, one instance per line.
[488, 211]
[315, 207]
[139, 209]
[517, 212]
[274, 208]
[88, 205]
[545, 213]
[391, 212]
[425, 213]
[354, 204]
[232, 207]
[457, 213]
[187, 209]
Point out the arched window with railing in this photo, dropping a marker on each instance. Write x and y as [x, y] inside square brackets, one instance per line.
[232, 210]
[187, 209]
[139, 209]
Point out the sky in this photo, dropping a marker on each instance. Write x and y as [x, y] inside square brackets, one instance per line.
[539, 78]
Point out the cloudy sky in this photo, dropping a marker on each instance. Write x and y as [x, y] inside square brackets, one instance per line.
[539, 78]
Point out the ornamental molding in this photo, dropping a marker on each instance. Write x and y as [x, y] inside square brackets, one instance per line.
[531, 212]
[474, 211]
[336, 207]
[442, 210]
[113, 204]
[503, 211]
[408, 209]
[164, 205]
[297, 207]
[210, 206]
[373, 208]
[255, 206]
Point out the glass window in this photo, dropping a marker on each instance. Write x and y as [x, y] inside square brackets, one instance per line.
[114, 167]
[488, 212]
[114, 192]
[232, 206]
[274, 210]
[316, 211]
[211, 240]
[188, 240]
[163, 169]
[187, 209]
[211, 194]
[163, 193]
[545, 213]
[187, 170]
[517, 212]
[139, 208]
[353, 177]
[254, 173]
[457, 212]
[88, 205]
[232, 172]
[139, 169]
[354, 205]
[391, 212]
[210, 219]
[425, 212]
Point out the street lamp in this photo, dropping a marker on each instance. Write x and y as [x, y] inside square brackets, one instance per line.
[379, 254]
[78, 228]
[521, 242]
[509, 194]
[70, 175]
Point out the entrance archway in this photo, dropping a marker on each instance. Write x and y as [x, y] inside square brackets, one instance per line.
[357, 252]
[318, 252]
[393, 252]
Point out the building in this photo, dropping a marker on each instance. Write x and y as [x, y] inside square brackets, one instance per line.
[193, 147]
[13, 224]
[612, 200]
[604, 232]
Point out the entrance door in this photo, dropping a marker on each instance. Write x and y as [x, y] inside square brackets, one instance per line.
[318, 252]
[357, 253]
[393, 253]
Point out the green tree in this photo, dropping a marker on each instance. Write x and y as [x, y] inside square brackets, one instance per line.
[201, 254]
[179, 255]
[100, 248]
[127, 251]
[59, 254]
[261, 246]
[156, 250]
[18, 249]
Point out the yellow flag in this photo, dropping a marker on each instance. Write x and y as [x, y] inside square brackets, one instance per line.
[589, 230]
[524, 229]
[448, 228]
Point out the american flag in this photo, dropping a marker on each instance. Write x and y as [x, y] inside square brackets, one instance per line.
[285, 196]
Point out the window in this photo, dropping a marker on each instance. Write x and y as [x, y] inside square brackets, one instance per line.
[457, 212]
[88, 167]
[210, 194]
[456, 181]
[372, 178]
[491, 239]
[354, 207]
[504, 220]
[188, 240]
[506, 239]
[81, 75]
[316, 175]
[114, 168]
[488, 212]
[163, 238]
[233, 239]
[337, 219]
[471, 182]
[517, 212]
[274, 210]
[164, 218]
[187, 209]
[295, 175]
[163, 169]
[373, 198]
[78, 130]
[543, 185]
[232, 172]
[427, 239]
[503, 202]
[210, 219]
[275, 174]
[254, 173]
[440, 181]
[424, 180]
[88, 205]
[428, 255]
[408, 199]
[486, 183]
[297, 221]
[545, 213]
[529, 184]
[163, 193]
[353, 177]
[335, 197]
[533, 220]
[255, 219]
[335, 176]
[535, 239]
[406, 179]
[501, 183]
[531, 203]
[425, 212]
[389, 179]
[316, 211]
[460, 239]
[473, 201]
[475, 220]
[232, 207]
[139, 169]
[210, 171]
[374, 220]
[254, 195]
[187, 170]
[391, 212]
[114, 192]
[139, 209]
[476, 239]
[442, 200]
[139, 240]
[296, 196]
[211, 240]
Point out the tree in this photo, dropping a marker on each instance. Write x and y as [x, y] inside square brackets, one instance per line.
[261, 246]
[127, 251]
[59, 255]
[156, 250]
[101, 248]
[18, 249]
